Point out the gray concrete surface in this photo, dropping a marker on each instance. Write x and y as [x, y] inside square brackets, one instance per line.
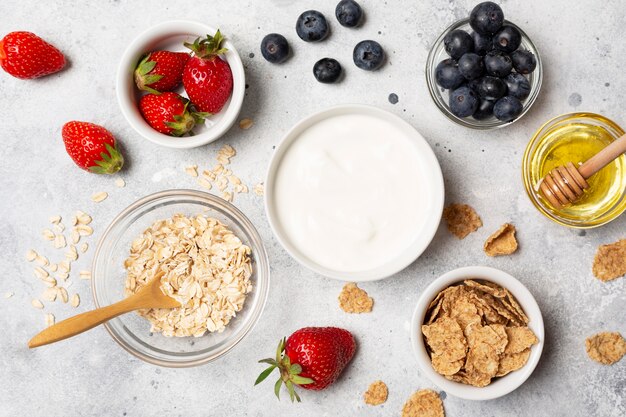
[583, 51]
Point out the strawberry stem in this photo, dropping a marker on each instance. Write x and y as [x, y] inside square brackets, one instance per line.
[207, 47]
[110, 163]
[143, 78]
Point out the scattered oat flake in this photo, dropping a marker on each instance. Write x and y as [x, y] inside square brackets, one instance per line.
[48, 234]
[59, 227]
[59, 242]
[192, 170]
[259, 189]
[85, 274]
[98, 197]
[203, 182]
[75, 300]
[50, 294]
[353, 299]
[84, 230]
[42, 260]
[8, 294]
[228, 196]
[53, 267]
[49, 319]
[461, 219]
[37, 303]
[84, 247]
[74, 236]
[31, 255]
[82, 218]
[40, 272]
[245, 124]
[606, 348]
[610, 261]
[120, 183]
[376, 394]
[423, 403]
[502, 242]
[55, 219]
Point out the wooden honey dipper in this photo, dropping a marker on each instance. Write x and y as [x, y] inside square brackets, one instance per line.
[565, 184]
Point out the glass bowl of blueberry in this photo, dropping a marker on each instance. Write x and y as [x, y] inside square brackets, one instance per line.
[484, 72]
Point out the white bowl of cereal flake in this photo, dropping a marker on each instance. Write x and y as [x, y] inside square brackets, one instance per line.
[215, 264]
[477, 333]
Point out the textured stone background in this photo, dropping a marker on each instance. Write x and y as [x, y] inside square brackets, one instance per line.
[583, 51]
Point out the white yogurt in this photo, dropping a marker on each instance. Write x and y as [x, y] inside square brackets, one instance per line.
[349, 193]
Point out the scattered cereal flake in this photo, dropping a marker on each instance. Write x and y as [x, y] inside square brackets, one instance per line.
[63, 294]
[65, 266]
[63, 275]
[227, 150]
[218, 169]
[462, 220]
[55, 219]
[31, 255]
[8, 294]
[82, 218]
[423, 403]
[84, 230]
[74, 236]
[445, 338]
[84, 247]
[245, 124]
[98, 197]
[502, 242]
[203, 182]
[36, 303]
[85, 274]
[233, 179]
[74, 220]
[610, 261]
[606, 348]
[510, 362]
[53, 267]
[48, 234]
[72, 253]
[42, 260]
[40, 272]
[481, 364]
[222, 183]
[376, 393]
[192, 170]
[210, 175]
[59, 242]
[520, 339]
[353, 299]
[49, 319]
[120, 183]
[228, 196]
[259, 189]
[50, 294]
[59, 227]
[75, 300]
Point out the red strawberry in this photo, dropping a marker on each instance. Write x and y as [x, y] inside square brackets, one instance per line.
[25, 55]
[160, 71]
[168, 113]
[207, 78]
[92, 147]
[312, 358]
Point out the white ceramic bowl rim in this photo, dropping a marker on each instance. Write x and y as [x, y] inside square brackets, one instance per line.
[500, 386]
[422, 240]
[125, 85]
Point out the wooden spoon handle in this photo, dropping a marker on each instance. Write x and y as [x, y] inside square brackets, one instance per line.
[81, 323]
[602, 158]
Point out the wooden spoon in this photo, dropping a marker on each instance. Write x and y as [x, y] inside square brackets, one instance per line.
[150, 296]
[565, 184]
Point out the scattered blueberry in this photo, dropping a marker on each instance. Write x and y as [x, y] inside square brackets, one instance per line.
[517, 85]
[482, 43]
[498, 64]
[486, 18]
[368, 55]
[312, 26]
[463, 101]
[507, 39]
[484, 110]
[348, 13]
[447, 74]
[524, 61]
[507, 108]
[393, 98]
[327, 70]
[457, 43]
[491, 88]
[471, 66]
[274, 48]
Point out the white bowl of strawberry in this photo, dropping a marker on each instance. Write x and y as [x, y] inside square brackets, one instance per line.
[181, 84]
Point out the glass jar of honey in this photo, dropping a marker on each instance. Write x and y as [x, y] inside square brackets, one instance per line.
[576, 137]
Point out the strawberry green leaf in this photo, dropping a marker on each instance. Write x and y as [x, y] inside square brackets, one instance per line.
[277, 386]
[269, 361]
[300, 380]
[264, 374]
[295, 369]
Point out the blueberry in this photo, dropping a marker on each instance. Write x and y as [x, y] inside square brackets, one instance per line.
[517, 85]
[327, 70]
[507, 108]
[482, 43]
[274, 48]
[463, 101]
[484, 110]
[312, 26]
[457, 43]
[368, 55]
[471, 66]
[498, 64]
[486, 18]
[491, 88]
[448, 75]
[507, 39]
[524, 61]
[348, 13]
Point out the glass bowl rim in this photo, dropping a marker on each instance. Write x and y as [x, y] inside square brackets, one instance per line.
[260, 256]
[436, 97]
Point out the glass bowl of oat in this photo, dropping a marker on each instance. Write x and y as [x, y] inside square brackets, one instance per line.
[215, 264]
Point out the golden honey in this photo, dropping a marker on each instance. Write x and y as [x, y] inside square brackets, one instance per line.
[575, 138]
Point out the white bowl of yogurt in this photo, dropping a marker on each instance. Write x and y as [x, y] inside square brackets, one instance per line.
[354, 193]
